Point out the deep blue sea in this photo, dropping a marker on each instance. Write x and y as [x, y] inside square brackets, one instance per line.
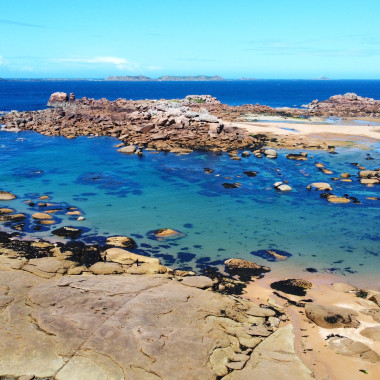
[275, 93]
[130, 195]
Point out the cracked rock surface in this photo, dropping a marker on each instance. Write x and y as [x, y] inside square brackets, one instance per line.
[123, 327]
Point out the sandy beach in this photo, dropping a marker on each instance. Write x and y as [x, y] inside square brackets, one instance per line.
[347, 131]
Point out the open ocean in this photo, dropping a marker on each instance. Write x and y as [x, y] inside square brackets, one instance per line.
[131, 195]
[28, 96]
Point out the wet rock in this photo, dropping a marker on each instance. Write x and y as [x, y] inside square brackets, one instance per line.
[280, 186]
[270, 153]
[230, 185]
[208, 170]
[127, 149]
[6, 210]
[345, 175]
[121, 241]
[349, 347]
[68, 232]
[166, 233]
[321, 186]
[6, 196]
[246, 153]
[295, 286]
[335, 199]
[329, 317]
[298, 157]
[250, 173]
[41, 215]
[201, 282]
[12, 217]
[245, 269]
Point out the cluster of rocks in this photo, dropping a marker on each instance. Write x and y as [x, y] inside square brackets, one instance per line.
[158, 124]
[347, 105]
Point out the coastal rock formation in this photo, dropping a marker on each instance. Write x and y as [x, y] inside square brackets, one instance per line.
[162, 125]
[349, 104]
[244, 269]
[125, 326]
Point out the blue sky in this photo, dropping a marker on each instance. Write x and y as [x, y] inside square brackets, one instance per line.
[240, 38]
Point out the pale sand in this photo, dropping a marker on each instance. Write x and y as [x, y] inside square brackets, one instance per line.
[307, 129]
[310, 339]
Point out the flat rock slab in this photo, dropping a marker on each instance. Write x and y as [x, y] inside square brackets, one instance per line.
[201, 282]
[113, 327]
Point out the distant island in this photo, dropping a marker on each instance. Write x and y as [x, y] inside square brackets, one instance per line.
[132, 78]
[323, 78]
[164, 78]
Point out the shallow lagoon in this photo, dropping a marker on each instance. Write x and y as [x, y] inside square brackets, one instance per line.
[131, 195]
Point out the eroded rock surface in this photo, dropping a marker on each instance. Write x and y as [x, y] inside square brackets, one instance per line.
[122, 327]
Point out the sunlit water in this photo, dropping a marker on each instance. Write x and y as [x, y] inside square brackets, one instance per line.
[131, 195]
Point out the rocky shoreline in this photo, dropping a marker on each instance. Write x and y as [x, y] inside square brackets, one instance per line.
[140, 319]
[197, 122]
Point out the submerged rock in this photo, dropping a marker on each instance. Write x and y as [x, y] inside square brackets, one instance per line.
[69, 232]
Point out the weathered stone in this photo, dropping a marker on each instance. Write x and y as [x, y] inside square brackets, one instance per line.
[274, 358]
[372, 333]
[349, 347]
[106, 268]
[331, 316]
[201, 282]
[121, 241]
[115, 327]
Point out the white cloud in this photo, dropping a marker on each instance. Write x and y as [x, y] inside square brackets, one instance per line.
[3, 61]
[120, 63]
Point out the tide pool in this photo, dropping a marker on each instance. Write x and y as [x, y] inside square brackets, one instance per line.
[128, 195]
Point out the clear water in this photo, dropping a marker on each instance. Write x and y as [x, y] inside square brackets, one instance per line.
[130, 195]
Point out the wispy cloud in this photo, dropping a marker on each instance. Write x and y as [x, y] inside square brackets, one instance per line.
[120, 63]
[3, 61]
[315, 48]
[18, 23]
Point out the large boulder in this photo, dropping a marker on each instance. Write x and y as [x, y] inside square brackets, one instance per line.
[58, 99]
[330, 317]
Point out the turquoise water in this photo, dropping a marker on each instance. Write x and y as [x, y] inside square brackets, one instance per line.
[131, 195]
